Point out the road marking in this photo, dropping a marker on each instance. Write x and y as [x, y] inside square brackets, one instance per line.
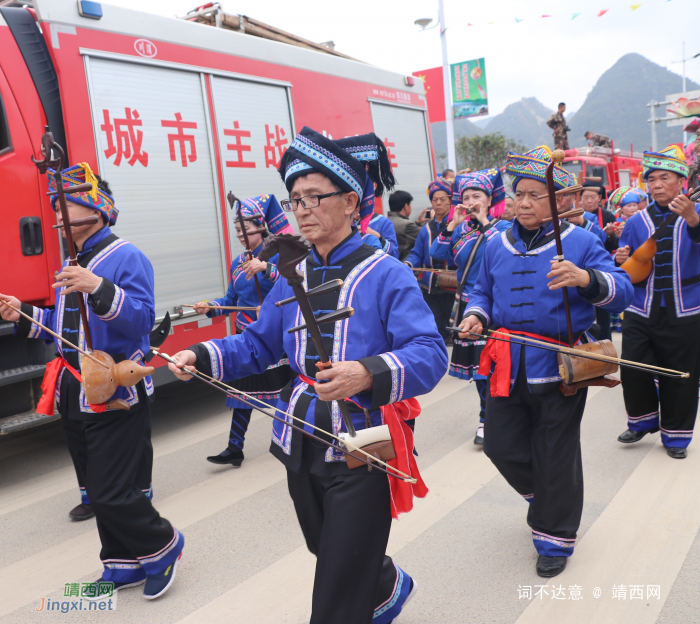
[62, 480]
[47, 485]
[641, 538]
[452, 480]
[78, 557]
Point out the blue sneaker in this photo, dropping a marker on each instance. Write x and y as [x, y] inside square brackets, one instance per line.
[115, 587]
[158, 584]
[405, 589]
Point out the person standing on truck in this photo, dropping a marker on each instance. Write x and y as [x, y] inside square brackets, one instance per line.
[598, 140]
[267, 215]
[388, 353]
[558, 124]
[662, 325]
[138, 545]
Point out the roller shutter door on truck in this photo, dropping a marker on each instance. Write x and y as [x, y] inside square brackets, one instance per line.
[154, 146]
[254, 123]
[404, 132]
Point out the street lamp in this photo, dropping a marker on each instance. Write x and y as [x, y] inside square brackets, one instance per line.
[449, 123]
[683, 60]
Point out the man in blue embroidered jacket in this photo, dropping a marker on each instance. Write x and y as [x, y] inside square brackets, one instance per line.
[662, 326]
[388, 351]
[532, 430]
[116, 281]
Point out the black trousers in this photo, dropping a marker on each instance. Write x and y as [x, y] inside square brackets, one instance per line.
[346, 521]
[128, 524]
[668, 346]
[602, 317]
[440, 304]
[534, 441]
[77, 448]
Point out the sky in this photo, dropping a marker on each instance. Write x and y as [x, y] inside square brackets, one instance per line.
[553, 59]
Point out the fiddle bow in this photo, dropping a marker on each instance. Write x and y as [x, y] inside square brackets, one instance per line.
[99, 372]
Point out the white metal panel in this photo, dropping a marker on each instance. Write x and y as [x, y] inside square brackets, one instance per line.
[250, 160]
[404, 133]
[166, 198]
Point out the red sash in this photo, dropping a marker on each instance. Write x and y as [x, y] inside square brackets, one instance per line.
[395, 416]
[498, 352]
[48, 387]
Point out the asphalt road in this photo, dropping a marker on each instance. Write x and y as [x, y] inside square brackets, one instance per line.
[466, 544]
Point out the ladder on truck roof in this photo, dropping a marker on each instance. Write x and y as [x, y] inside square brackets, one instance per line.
[213, 15]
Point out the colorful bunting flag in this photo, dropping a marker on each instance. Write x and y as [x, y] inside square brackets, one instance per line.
[634, 7]
[517, 21]
[603, 12]
[575, 15]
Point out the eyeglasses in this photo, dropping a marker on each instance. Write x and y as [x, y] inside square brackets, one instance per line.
[308, 201]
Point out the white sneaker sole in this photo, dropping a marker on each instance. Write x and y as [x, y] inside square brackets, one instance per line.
[96, 598]
[167, 587]
[413, 593]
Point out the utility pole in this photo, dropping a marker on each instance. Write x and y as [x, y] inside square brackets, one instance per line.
[446, 78]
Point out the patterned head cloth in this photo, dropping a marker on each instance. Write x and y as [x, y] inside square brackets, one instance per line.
[670, 159]
[267, 209]
[312, 152]
[623, 196]
[439, 184]
[533, 165]
[95, 199]
[370, 150]
[487, 180]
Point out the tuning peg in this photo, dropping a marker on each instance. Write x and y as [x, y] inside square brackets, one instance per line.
[70, 190]
[84, 221]
[338, 315]
[326, 287]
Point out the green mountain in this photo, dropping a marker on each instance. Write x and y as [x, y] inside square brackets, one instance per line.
[524, 121]
[617, 104]
[463, 127]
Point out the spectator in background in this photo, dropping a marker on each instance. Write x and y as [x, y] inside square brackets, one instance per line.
[448, 174]
[406, 230]
[508, 213]
[560, 128]
[598, 140]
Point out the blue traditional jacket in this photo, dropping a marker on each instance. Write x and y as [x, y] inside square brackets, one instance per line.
[512, 292]
[392, 333]
[120, 317]
[385, 227]
[243, 292]
[684, 256]
[592, 226]
[420, 255]
[458, 245]
[373, 241]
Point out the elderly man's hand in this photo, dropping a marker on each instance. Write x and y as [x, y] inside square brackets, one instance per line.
[77, 279]
[471, 324]
[185, 359]
[684, 207]
[7, 313]
[566, 273]
[622, 254]
[346, 380]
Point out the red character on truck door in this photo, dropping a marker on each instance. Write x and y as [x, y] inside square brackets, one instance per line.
[238, 147]
[181, 138]
[127, 142]
[275, 141]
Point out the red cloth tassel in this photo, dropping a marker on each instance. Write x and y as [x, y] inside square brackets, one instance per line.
[395, 416]
[48, 388]
[498, 352]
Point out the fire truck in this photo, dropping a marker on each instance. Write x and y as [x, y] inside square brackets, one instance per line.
[173, 113]
[613, 167]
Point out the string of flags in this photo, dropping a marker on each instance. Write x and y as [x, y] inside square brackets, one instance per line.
[571, 16]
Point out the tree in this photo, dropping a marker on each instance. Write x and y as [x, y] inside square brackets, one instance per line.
[484, 151]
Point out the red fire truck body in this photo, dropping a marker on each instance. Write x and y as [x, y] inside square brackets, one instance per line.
[173, 115]
[615, 168]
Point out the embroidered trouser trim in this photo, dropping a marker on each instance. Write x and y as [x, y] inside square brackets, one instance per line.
[673, 407]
